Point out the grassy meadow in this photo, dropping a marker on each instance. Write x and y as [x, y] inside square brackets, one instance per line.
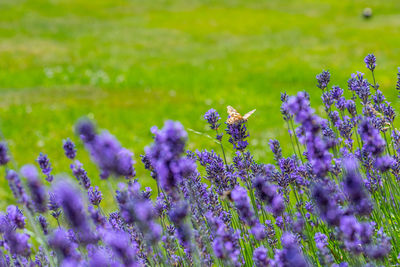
[133, 64]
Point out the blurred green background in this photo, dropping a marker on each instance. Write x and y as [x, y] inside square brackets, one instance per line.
[133, 64]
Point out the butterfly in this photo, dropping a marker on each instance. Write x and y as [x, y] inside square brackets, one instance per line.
[235, 117]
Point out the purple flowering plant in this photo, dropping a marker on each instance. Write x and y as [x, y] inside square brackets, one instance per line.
[334, 201]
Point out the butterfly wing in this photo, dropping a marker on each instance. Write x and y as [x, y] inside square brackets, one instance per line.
[231, 111]
[248, 114]
[234, 116]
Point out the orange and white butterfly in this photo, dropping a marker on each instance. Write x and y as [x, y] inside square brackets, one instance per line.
[235, 117]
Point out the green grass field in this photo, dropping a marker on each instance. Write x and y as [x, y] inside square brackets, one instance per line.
[133, 64]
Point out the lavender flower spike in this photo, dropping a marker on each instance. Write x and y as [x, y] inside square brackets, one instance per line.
[86, 130]
[94, 195]
[43, 224]
[370, 62]
[106, 151]
[165, 155]
[242, 203]
[355, 189]
[398, 82]
[69, 149]
[54, 206]
[122, 247]
[45, 166]
[38, 191]
[260, 257]
[238, 134]
[71, 202]
[323, 79]
[4, 158]
[15, 216]
[212, 118]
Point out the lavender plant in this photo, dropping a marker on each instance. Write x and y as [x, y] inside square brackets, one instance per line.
[333, 201]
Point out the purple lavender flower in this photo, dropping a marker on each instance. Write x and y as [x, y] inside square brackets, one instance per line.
[309, 207]
[276, 149]
[98, 219]
[136, 209]
[336, 92]
[146, 162]
[43, 224]
[267, 193]
[122, 247]
[147, 165]
[242, 203]
[373, 142]
[298, 225]
[384, 163]
[216, 170]
[177, 215]
[260, 257]
[62, 245]
[15, 216]
[72, 236]
[226, 241]
[284, 108]
[291, 254]
[38, 192]
[327, 100]
[351, 230]
[279, 222]
[317, 149]
[115, 221]
[398, 81]
[111, 157]
[242, 162]
[238, 134]
[124, 164]
[360, 86]
[45, 166]
[17, 243]
[70, 262]
[94, 195]
[378, 98]
[69, 148]
[146, 193]
[345, 128]
[212, 117]
[370, 62]
[99, 258]
[323, 79]
[4, 260]
[382, 247]
[351, 107]
[106, 151]
[41, 259]
[326, 205]
[341, 103]
[321, 240]
[4, 158]
[86, 130]
[54, 206]
[71, 202]
[377, 122]
[16, 187]
[165, 155]
[80, 174]
[284, 97]
[388, 112]
[259, 231]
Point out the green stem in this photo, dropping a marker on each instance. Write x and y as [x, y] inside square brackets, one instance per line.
[223, 151]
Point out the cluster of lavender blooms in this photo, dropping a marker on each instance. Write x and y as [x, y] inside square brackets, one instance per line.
[335, 201]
